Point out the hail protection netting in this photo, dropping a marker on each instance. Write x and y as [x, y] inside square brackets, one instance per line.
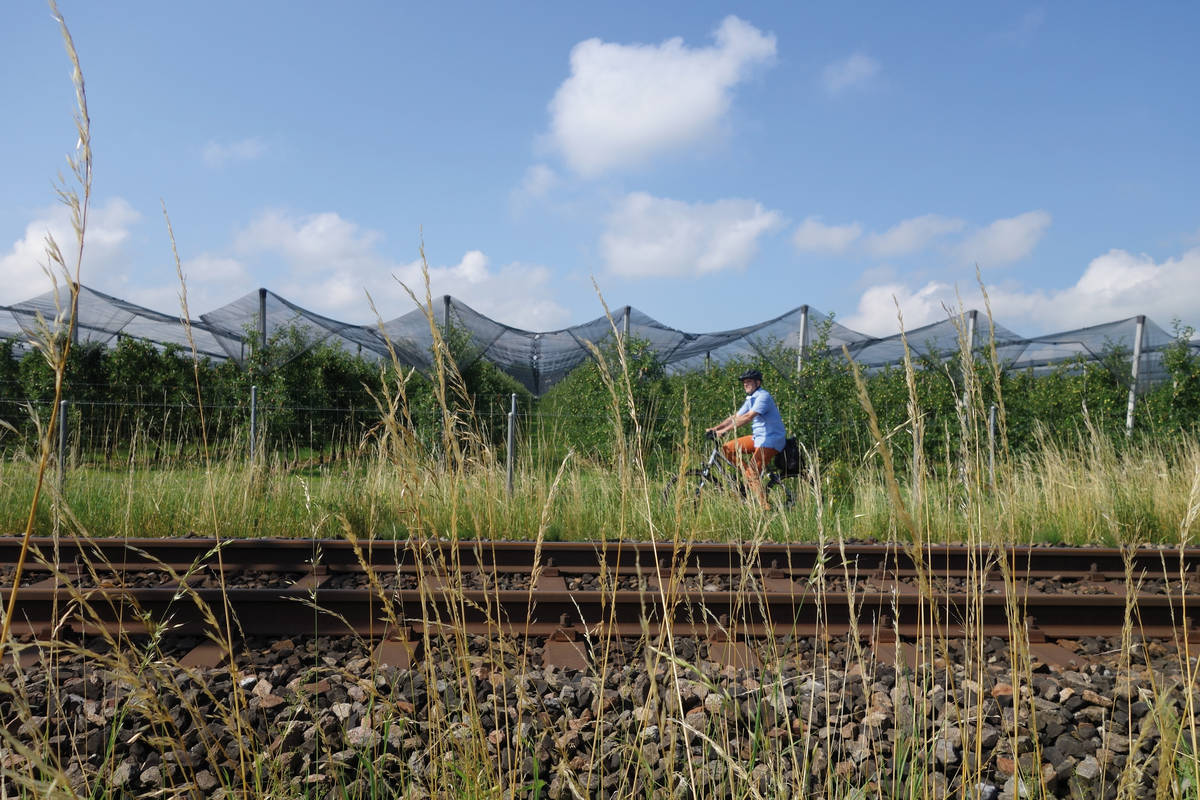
[538, 360]
[102, 319]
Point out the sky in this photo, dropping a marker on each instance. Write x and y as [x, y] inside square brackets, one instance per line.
[713, 165]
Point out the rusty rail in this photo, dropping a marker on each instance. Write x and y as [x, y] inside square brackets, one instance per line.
[771, 591]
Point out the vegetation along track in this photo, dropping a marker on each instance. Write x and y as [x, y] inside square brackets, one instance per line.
[568, 596]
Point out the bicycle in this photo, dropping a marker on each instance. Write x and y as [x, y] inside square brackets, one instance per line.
[719, 474]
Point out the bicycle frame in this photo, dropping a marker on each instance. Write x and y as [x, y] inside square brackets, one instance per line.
[720, 470]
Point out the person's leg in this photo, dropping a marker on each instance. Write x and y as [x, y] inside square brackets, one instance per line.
[742, 444]
[753, 467]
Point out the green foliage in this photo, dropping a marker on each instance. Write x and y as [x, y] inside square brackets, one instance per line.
[314, 395]
[579, 410]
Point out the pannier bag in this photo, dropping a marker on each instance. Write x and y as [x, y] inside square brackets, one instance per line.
[788, 460]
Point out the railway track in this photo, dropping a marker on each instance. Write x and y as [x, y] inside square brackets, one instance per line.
[569, 596]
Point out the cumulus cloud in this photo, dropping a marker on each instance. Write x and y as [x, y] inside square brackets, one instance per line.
[912, 235]
[219, 154]
[331, 263]
[653, 236]
[850, 72]
[1114, 286]
[1005, 240]
[321, 242]
[539, 181]
[814, 236]
[104, 257]
[623, 104]
[536, 184]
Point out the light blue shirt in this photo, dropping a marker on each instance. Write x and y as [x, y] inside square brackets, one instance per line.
[767, 426]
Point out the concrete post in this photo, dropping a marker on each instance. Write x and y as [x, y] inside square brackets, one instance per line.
[1137, 360]
[512, 441]
[62, 442]
[992, 446]
[803, 345]
[253, 420]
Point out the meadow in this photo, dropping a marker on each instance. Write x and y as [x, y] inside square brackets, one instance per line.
[913, 459]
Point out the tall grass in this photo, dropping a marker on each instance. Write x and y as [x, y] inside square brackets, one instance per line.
[1085, 492]
[842, 714]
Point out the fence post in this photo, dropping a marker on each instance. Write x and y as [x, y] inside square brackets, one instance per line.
[512, 441]
[803, 338]
[62, 442]
[992, 446]
[1137, 360]
[253, 420]
[262, 318]
[968, 358]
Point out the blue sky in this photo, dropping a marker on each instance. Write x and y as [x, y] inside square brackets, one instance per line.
[713, 165]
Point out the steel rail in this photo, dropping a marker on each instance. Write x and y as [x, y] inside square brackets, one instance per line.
[794, 560]
[313, 610]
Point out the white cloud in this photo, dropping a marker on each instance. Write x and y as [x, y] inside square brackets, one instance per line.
[1114, 286]
[1005, 240]
[912, 235]
[539, 181]
[848, 73]
[814, 236]
[312, 243]
[330, 264]
[876, 312]
[653, 236]
[218, 154]
[104, 256]
[623, 104]
[212, 281]
[536, 184]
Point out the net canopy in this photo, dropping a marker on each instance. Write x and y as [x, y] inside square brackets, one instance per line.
[538, 360]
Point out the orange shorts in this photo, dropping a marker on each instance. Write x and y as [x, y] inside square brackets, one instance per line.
[759, 457]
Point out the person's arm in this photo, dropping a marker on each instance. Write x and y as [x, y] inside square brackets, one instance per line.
[733, 421]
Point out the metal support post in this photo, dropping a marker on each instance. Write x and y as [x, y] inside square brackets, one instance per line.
[262, 318]
[446, 315]
[625, 326]
[803, 348]
[62, 442]
[968, 358]
[253, 420]
[512, 441]
[992, 445]
[1137, 360]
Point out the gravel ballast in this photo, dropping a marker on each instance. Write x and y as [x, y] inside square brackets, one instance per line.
[321, 718]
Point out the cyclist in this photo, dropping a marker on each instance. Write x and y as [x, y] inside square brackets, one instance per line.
[766, 426]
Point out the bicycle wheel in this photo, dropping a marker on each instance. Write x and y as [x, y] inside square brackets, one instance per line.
[779, 494]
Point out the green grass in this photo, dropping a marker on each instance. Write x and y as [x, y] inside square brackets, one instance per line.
[1055, 496]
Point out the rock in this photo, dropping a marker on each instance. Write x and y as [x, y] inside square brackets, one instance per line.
[945, 753]
[362, 737]
[120, 776]
[151, 776]
[1088, 769]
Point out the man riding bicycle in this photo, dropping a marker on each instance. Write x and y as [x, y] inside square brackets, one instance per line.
[766, 425]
